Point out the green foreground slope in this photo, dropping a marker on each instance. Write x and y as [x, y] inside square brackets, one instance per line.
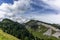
[5, 36]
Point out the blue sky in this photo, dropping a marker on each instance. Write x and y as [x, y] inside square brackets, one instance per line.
[22, 10]
[6, 1]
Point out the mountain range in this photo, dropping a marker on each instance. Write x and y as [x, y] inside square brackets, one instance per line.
[31, 30]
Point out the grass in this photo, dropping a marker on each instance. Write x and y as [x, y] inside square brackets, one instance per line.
[40, 34]
[5, 36]
[43, 29]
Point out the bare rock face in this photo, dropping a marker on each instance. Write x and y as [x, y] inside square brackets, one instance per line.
[57, 34]
[48, 32]
[51, 30]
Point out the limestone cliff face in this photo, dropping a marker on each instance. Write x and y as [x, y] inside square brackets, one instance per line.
[50, 30]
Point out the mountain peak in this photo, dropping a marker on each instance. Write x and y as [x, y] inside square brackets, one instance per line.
[7, 20]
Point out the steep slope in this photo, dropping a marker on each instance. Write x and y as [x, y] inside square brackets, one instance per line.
[43, 30]
[32, 30]
[16, 29]
[5, 36]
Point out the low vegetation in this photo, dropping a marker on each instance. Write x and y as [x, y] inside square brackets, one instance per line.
[26, 31]
[5, 36]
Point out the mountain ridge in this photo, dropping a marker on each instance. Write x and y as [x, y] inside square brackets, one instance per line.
[31, 30]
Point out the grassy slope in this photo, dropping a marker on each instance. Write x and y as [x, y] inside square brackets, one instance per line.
[5, 36]
[40, 34]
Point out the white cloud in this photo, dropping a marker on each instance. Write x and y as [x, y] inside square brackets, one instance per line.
[15, 10]
[53, 4]
[50, 18]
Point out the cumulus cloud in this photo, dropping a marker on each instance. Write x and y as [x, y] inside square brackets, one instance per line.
[55, 4]
[52, 18]
[13, 11]
[24, 10]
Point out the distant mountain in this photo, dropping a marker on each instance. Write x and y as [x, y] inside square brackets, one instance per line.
[31, 30]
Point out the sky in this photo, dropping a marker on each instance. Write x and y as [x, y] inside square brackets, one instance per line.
[25, 10]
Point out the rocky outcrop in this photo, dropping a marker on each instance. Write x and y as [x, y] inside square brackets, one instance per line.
[48, 32]
[57, 34]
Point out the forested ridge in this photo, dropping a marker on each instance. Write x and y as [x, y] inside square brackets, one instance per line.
[22, 31]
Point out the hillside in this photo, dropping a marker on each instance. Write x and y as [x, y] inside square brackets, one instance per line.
[31, 30]
[5, 36]
[16, 29]
[43, 30]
